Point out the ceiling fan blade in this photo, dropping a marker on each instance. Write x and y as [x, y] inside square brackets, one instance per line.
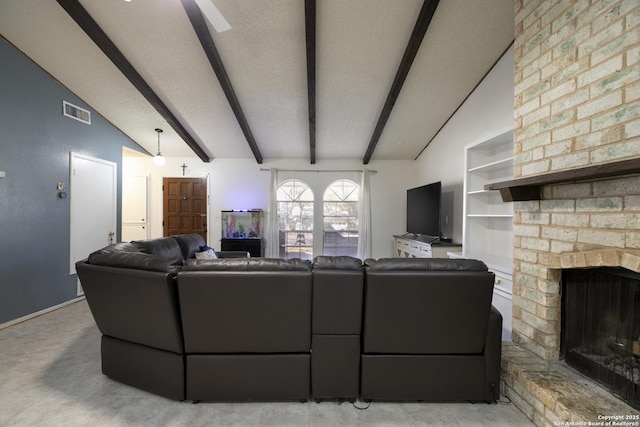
[211, 12]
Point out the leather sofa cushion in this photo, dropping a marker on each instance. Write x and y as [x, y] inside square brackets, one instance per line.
[246, 311]
[164, 247]
[276, 264]
[247, 264]
[189, 244]
[424, 264]
[426, 312]
[137, 261]
[323, 262]
[119, 247]
[219, 264]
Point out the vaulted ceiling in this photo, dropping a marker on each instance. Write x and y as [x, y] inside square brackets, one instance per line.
[292, 79]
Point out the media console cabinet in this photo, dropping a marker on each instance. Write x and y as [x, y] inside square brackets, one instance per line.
[420, 247]
[255, 247]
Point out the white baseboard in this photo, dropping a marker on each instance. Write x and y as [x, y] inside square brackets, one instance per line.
[39, 313]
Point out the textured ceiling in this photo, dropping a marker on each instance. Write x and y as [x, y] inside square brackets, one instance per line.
[359, 46]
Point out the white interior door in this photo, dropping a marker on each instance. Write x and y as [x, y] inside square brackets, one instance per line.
[132, 232]
[134, 199]
[93, 204]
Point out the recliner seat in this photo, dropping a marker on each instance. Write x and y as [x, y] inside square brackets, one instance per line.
[429, 331]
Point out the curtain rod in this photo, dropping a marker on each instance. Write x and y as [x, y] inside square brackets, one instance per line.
[317, 170]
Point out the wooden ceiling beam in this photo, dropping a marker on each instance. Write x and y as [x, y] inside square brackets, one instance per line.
[310, 32]
[100, 38]
[202, 31]
[419, 31]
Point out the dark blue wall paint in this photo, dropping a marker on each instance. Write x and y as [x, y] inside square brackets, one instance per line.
[35, 142]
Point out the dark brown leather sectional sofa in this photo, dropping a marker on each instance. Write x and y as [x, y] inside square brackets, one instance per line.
[243, 329]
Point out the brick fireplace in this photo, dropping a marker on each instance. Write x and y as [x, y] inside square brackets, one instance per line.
[575, 225]
[579, 225]
[577, 105]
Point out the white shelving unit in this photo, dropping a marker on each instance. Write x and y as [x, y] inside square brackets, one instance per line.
[487, 230]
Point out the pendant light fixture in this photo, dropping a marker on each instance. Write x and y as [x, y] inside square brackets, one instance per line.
[158, 159]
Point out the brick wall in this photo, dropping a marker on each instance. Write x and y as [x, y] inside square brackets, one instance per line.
[577, 103]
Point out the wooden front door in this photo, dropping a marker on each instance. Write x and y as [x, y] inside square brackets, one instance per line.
[184, 206]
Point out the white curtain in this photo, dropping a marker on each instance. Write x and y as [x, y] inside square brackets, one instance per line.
[271, 248]
[364, 216]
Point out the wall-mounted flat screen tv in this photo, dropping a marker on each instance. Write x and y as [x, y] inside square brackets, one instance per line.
[423, 210]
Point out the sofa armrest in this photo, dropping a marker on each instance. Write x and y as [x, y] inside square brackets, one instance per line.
[136, 261]
[134, 305]
[493, 354]
[337, 301]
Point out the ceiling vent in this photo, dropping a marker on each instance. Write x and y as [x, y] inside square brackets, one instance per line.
[76, 113]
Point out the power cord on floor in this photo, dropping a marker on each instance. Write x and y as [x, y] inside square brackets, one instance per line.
[339, 402]
[361, 408]
[353, 402]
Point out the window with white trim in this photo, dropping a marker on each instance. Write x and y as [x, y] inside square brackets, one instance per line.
[340, 218]
[295, 219]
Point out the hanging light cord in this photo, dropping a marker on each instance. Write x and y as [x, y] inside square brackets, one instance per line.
[159, 132]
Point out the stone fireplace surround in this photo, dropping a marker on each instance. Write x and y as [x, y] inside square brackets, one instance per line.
[586, 224]
[576, 105]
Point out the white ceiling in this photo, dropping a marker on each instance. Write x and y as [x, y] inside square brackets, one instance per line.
[359, 46]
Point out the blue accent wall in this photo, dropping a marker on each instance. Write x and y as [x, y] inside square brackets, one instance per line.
[35, 142]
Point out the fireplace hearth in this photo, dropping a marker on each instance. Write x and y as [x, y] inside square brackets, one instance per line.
[600, 328]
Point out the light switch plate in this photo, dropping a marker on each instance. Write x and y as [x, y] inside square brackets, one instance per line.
[2, 174]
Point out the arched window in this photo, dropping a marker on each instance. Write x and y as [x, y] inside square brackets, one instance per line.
[295, 220]
[341, 218]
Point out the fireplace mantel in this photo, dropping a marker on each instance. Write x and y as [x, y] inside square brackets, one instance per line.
[529, 188]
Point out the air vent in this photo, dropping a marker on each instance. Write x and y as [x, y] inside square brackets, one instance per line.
[76, 113]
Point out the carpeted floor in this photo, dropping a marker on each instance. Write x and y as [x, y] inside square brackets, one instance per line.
[50, 376]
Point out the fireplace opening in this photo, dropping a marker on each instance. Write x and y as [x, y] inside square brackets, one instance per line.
[600, 328]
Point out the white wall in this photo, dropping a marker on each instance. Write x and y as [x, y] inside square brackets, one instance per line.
[241, 184]
[488, 110]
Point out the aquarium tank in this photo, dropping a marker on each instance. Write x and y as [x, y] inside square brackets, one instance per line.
[242, 224]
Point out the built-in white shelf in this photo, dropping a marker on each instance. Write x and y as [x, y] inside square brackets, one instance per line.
[487, 231]
[494, 166]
